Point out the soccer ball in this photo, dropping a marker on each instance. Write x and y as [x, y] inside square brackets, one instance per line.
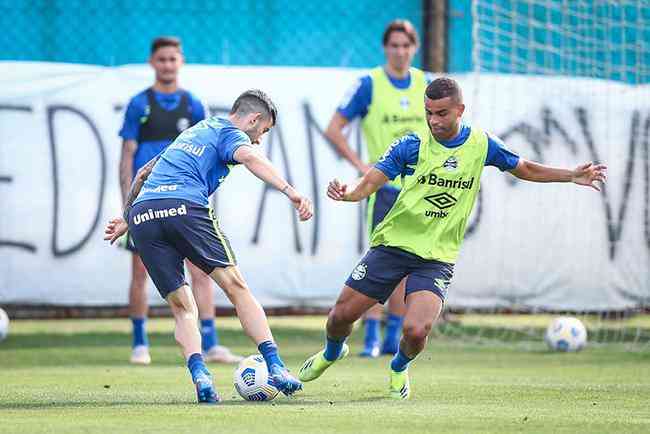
[4, 324]
[566, 334]
[252, 380]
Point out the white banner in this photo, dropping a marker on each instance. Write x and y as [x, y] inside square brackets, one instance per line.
[529, 245]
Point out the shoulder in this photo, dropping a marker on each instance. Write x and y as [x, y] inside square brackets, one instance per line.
[139, 101]
[406, 146]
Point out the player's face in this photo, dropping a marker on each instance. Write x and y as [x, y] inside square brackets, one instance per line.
[260, 127]
[166, 61]
[399, 51]
[443, 116]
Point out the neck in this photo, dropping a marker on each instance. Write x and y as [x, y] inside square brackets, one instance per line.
[237, 121]
[451, 136]
[396, 73]
[165, 87]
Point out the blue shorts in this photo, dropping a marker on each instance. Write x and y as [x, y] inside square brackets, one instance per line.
[379, 205]
[166, 231]
[382, 268]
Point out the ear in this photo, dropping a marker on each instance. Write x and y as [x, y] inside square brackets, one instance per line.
[461, 109]
[255, 118]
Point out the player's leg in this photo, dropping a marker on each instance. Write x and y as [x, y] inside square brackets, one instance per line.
[349, 307]
[255, 325]
[138, 309]
[203, 290]
[164, 264]
[396, 312]
[426, 290]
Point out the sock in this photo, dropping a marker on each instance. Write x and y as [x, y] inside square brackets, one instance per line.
[139, 331]
[269, 351]
[393, 328]
[372, 332]
[209, 336]
[333, 348]
[400, 362]
[196, 366]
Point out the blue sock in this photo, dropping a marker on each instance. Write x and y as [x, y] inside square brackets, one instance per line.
[372, 332]
[139, 331]
[196, 366]
[333, 348]
[209, 336]
[393, 328]
[400, 362]
[269, 351]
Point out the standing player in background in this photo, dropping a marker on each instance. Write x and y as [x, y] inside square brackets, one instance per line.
[420, 237]
[169, 218]
[389, 103]
[153, 119]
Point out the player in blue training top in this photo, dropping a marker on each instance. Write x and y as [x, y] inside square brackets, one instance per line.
[169, 219]
[153, 119]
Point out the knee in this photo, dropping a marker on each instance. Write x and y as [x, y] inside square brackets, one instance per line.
[416, 333]
[235, 287]
[340, 315]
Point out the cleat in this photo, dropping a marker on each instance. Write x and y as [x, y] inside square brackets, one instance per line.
[205, 393]
[400, 387]
[316, 364]
[284, 381]
[140, 355]
[370, 351]
[221, 354]
[390, 347]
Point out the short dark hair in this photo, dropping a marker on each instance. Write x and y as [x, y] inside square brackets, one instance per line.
[404, 26]
[254, 101]
[444, 87]
[165, 41]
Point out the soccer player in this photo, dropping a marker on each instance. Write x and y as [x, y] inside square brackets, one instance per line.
[420, 237]
[389, 103]
[169, 219]
[153, 119]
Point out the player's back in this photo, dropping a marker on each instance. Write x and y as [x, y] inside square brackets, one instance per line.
[194, 165]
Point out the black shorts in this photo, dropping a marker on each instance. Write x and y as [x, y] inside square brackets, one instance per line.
[166, 231]
[382, 268]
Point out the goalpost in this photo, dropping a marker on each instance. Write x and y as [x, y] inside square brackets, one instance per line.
[563, 81]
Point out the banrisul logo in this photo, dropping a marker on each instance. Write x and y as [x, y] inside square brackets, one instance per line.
[439, 181]
[451, 164]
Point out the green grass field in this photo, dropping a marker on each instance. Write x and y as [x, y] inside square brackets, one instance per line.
[72, 377]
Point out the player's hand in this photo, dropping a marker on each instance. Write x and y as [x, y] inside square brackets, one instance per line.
[336, 190]
[303, 206]
[115, 229]
[590, 174]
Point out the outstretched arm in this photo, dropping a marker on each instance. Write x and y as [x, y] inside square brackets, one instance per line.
[587, 174]
[118, 226]
[261, 167]
[372, 181]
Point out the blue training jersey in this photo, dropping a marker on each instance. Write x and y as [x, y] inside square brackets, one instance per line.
[196, 163]
[400, 158]
[137, 110]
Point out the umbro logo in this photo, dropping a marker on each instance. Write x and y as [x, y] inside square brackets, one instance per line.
[441, 200]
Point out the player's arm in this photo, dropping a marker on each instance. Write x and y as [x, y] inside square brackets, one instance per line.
[260, 166]
[118, 227]
[126, 166]
[334, 133]
[368, 184]
[587, 174]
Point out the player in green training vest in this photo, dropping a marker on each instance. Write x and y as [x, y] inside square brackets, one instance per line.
[420, 237]
[389, 103]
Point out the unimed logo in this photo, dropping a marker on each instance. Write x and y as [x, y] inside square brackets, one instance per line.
[159, 214]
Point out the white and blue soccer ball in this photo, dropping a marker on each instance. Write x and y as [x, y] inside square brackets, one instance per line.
[252, 380]
[566, 334]
[4, 324]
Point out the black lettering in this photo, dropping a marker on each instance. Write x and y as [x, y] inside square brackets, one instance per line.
[51, 113]
[6, 179]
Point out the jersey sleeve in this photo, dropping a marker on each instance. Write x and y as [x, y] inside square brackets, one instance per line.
[198, 110]
[230, 140]
[357, 99]
[131, 126]
[499, 156]
[400, 157]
